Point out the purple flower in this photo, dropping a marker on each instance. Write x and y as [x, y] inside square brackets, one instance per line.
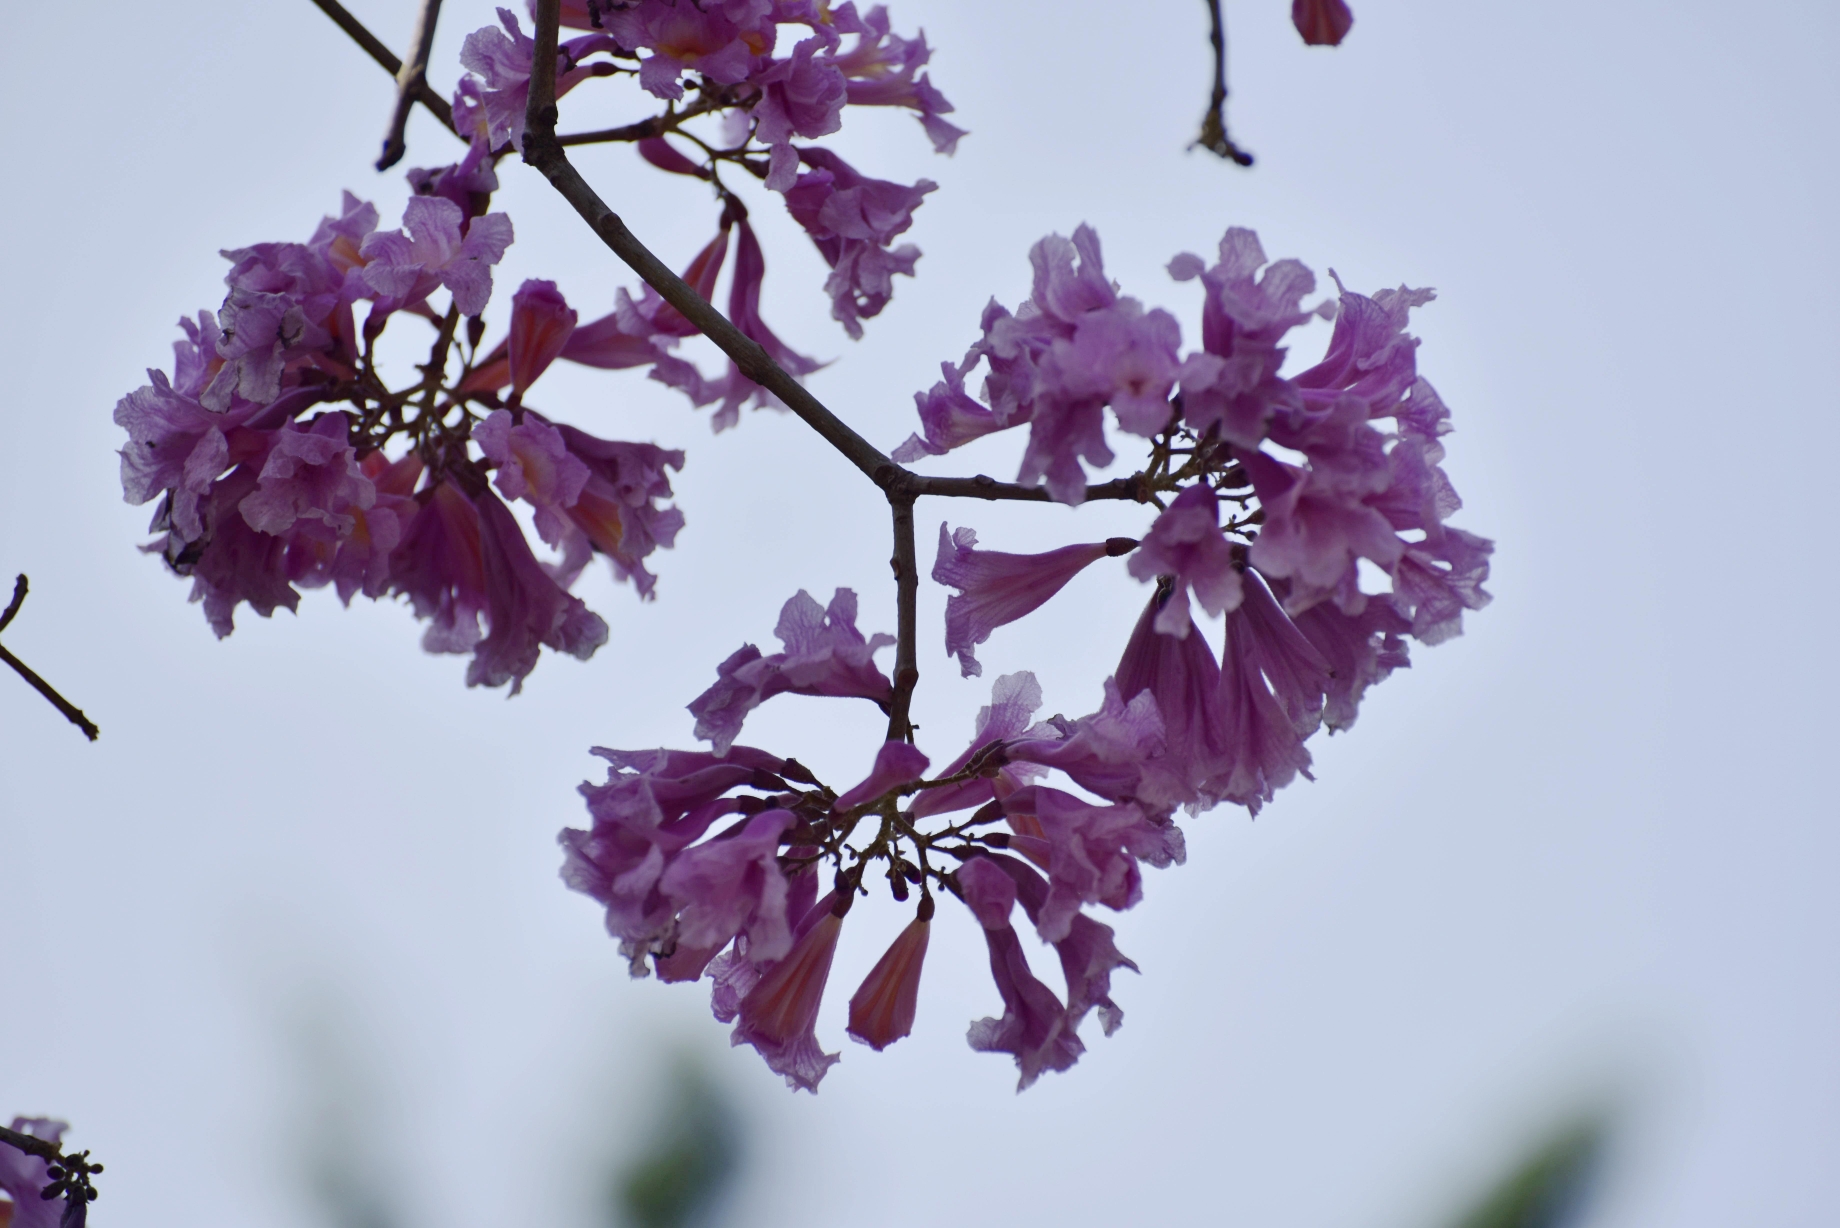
[1263, 750]
[881, 70]
[1180, 679]
[896, 764]
[617, 512]
[996, 588]
[653, 806]
[281, 298]
[1233, 385]
[525, 608]
[1314, 532]
[719, 41]
[310, 483]
[439, 568]
[1092, 852]
[1186, 545]
[1034, 1025]
[800, 96]
[1087, 954]
[882, 1009]
[404, 270]
[541, 324]
[1072, 349]
[534, 464]
[23, 1177]
[852, 219]
[1359, 650]
[1439, 578]
[503, 60]
[1105, 752]
[779, 1015]
[1013, 701]
[1294, 668]
[949, 417]
[733, 885]
[744, 312]
[824, 655]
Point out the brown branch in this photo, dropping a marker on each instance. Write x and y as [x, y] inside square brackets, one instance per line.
[71, 712]
[436, 104]
[1214, 136]
[31, 1145]
[983, 487]
[412, 76]
[907, 598]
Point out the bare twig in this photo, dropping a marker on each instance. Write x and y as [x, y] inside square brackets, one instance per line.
[907, 598]
[71, 712]
[437, 105]
[1214, 136]
[410, 77]
[983, 487]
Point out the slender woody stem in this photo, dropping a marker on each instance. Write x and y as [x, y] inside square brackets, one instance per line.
[31, 1145]
[410, 77]
[1214, 136]
[907, 604]
[436, 104]
[71, 712]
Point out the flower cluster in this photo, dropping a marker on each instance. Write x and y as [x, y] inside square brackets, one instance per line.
[754, 95]
[281, 459]
[711, 863]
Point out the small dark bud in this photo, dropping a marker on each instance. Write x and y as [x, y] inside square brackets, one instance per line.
[989, 812]
[912, 872]
[55, 1173]
[794, 770]
[475, 330]
[996, 839]
[925, 911]
[1116, 546]
[897, 884]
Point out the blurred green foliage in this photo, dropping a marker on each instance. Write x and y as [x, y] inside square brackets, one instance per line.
[1552, 1188]
[678, 1181]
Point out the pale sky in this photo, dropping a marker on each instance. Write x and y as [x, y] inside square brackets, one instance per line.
[1578, 855]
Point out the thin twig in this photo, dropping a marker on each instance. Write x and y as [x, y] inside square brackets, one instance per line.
[983, 487]
[1214, 136]
[19, 599]
[907, 598]
[71, 712]
[437, 105]
[31, 1145]
[410, 77]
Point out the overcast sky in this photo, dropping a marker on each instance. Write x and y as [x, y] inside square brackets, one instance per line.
[306, 882]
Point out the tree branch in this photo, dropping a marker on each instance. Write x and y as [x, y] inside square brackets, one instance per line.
[983, 487]
[47, 1151]
[410, 77]
[436, 104]
[907, 604]
[544, 152]
[1214, 136]
[71, 712]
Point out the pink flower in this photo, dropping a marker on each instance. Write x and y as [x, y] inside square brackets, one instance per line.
[541, 324]
[1186, 545]
[882, 1009]
[779, 1015]
[996, 588]
[1033, 1028]
[896, 764]
[824, 655]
